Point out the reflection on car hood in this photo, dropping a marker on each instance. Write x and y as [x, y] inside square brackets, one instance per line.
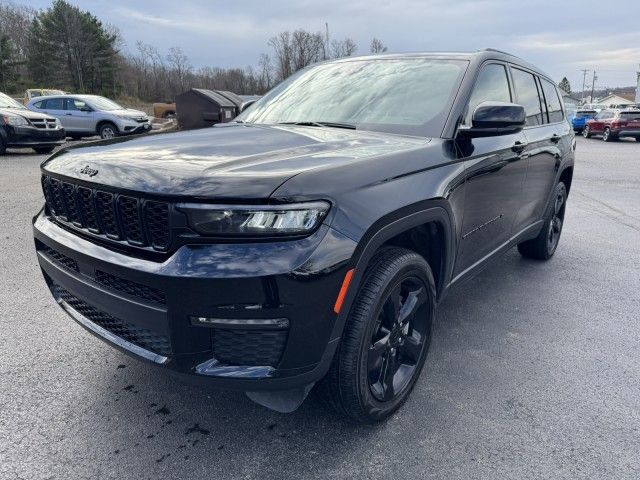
[234, 161]
[24, 113]
[128, 113]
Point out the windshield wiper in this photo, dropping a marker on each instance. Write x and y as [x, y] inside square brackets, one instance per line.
[348, 126]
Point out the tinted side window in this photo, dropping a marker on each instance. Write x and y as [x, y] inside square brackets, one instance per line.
[492, 85]
[554, 107]
[55, 104]
[527, 95]
[38, 104]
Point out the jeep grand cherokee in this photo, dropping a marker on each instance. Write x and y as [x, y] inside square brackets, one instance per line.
[311, 240]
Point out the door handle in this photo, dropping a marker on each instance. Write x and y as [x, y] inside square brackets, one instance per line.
[519, 146]
[555, 138]
[69, 114]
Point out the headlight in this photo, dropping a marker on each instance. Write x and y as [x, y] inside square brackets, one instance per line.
[58, 123]
[15, 120]
[255, 220]
[126, 117]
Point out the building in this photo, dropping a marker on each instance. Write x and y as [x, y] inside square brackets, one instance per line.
[612, 99]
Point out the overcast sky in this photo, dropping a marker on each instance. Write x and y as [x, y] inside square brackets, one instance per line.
[561, 37]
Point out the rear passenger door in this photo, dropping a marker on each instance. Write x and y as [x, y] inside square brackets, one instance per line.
[547, 135]
[55, 108]
[494, 173]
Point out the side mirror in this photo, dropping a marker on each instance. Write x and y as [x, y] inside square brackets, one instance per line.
[495, 118]
[246, 105]
[85, 109]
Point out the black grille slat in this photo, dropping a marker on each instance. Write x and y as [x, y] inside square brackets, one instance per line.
[130, 288]
[157, 219]
[60, 258]
[70, 203]
[142, 337]
[248, 347]
[122, 218]
[131, 221]
[105, 202]
[87, 209]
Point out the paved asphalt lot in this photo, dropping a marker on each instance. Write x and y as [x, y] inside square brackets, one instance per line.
[534, 371]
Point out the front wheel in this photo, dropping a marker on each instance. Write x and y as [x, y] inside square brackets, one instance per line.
[544, 245]
[586, 133]
[107, 131]
[386, 338]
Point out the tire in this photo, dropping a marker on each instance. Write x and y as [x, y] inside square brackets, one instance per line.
[43, 150]
[586, 133]
[108, 131]
[637, 139]
[545, 244]
[169, 115]
[3, 147]
[606, 135]
[372, 343]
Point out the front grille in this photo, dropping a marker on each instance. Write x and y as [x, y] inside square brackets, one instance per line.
[141, 337]
[131, 220]
[63, 260]
[44, 123]
[130, 288]
[248, 347]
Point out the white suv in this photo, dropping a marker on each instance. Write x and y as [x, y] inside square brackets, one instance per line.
[88, 115]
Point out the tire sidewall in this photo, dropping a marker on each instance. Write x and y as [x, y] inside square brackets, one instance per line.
[108, 125]
[373, 408]
[560, 187]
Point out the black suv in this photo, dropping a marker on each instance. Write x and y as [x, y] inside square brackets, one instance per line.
[311, 240]
[22, 128]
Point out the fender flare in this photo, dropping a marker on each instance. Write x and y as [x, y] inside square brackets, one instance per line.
[388, 227]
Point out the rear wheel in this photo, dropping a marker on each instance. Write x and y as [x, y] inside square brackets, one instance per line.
[544, 245]
[43, 150]
[3, 147]
[386, 338]
[637, 139]
[586, 133]
[107, 131]
[606, 135]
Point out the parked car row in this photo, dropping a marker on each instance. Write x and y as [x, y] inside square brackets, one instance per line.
[47, 120]
[612, 124]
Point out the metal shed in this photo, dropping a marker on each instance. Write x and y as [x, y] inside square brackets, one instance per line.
[199, 108]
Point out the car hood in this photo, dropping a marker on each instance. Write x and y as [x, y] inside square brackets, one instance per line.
[234, 161]
[126, 112]
[24, 113]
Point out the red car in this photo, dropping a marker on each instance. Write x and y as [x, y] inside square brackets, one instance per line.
[613, 124]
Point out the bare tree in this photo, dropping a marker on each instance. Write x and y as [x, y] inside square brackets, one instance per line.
[180, 67]
[377, 46]
[343, 48]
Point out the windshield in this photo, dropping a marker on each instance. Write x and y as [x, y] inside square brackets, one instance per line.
[408, 96]
[102, 103]
[586, 114]
[8, 102]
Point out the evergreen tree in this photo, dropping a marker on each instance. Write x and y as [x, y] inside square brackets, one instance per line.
[69, 48]
[565, 85]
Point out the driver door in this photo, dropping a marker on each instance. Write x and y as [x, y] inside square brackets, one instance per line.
[78, 115]
[494, 173]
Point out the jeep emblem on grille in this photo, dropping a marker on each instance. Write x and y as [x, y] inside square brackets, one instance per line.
[87, 170]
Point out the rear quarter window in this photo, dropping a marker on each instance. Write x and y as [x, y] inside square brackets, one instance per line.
[553, 102]
[630, 116]
[39, 104]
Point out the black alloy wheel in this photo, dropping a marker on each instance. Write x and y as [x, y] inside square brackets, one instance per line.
[397, 344]
[386, 338]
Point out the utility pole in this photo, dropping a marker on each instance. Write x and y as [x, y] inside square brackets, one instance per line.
[584, 81]
[593, 85]
[638, 88]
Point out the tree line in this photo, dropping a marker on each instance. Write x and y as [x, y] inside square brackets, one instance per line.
[67, 48]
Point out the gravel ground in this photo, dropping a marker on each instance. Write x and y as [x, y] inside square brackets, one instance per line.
[534, 371]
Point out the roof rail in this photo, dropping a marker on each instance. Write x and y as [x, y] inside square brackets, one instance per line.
[497, 51]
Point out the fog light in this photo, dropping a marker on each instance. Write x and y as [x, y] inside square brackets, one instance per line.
[248, 323]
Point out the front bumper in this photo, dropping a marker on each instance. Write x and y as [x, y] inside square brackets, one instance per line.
[132, 126]
[149, 308]
[27, 136]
